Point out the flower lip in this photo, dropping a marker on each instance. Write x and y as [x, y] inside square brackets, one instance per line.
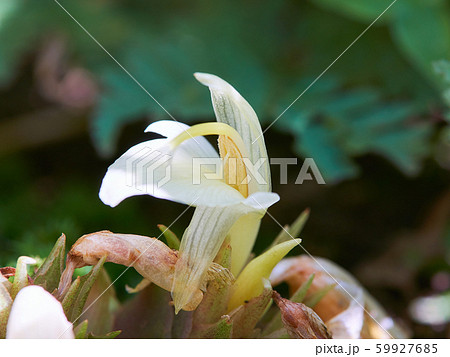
[123, 178]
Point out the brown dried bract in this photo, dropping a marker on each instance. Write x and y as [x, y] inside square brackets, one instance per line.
[7, 272]
[299, 320]
[154, 260]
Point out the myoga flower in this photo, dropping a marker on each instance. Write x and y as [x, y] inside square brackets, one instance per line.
[35, 313]
[231, 203]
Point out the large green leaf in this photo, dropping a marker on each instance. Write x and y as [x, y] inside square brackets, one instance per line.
[349, 124]
[270, 53]
[422, 31]
[364, 10]
[442, 68]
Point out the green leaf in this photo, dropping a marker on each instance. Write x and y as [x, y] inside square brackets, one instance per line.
[405, 148]
[71, 296]
[350, 124]
[442, 68]
[49, 273]
[219, 330]
[81, 330]
[269, 65]
[103, 305]
[172, 240]
[422, 31]
[314, 299]
[300, 294]
[278, 334]
[363, 10]
[319, 142]
[292, 231]
[109, 335]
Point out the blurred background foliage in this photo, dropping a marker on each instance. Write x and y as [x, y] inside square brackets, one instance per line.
[376, 123]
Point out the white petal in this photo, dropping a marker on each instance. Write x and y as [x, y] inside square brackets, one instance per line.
[348, 323]
[282, 270]
[261, 200]
[167, 128]
[37, 314]
[204, 236]
[231, 108]
[151, 168]
[381, 318]
[199, 246]
[198, 147]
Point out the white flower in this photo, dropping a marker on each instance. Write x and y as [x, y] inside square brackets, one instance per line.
[231, 204]
[35, 313]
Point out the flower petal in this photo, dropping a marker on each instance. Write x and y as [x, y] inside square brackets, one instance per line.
[231, 108]
[151, 168]
[199, 246]
[261, 200]
[37, 314]
[204, 236]
[198, 147]
[349, 323]
[384, 325]
[167, 128]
